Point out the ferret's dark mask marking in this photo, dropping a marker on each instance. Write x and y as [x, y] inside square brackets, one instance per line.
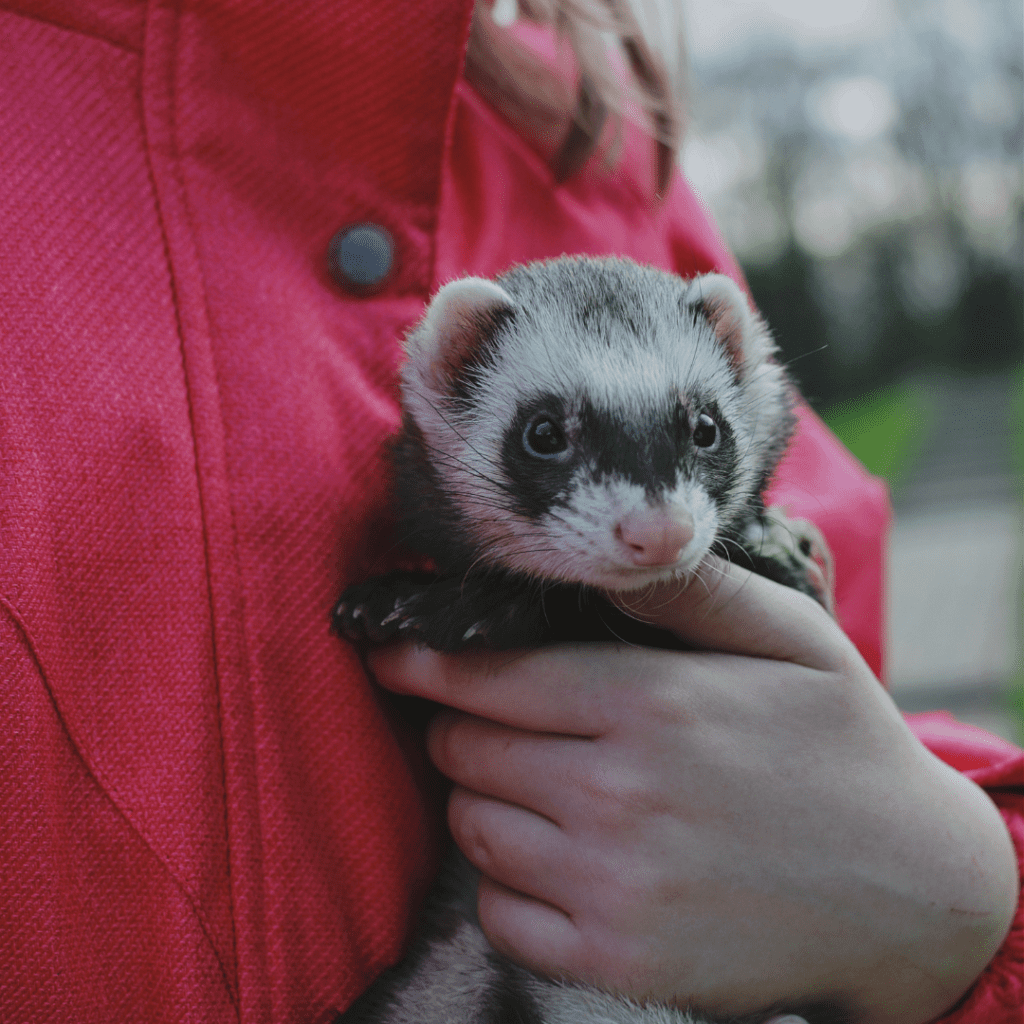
[646, 452]
[537, 484]
[650, 452]
[717, 470]
[656, 450]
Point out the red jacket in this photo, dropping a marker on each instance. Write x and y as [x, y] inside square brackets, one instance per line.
[206, 813]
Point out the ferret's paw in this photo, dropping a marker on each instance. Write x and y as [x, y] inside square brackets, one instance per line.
[793, 552]
[448, 613]
[382, 609]
[461, 613]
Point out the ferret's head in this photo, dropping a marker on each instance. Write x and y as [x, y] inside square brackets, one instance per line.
[595, 421]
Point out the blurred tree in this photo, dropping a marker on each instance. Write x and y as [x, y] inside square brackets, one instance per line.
[891, 171]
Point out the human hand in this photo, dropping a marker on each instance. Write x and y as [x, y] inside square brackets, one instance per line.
[747, 826]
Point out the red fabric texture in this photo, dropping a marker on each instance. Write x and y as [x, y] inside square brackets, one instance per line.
[206, 813]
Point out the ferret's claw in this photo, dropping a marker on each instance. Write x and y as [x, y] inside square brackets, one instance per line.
[477, 629]
[396, 614]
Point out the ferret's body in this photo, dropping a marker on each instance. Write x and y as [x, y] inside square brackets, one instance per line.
[574, 428]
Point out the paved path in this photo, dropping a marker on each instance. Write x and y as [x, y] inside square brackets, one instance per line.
[954, 610]
[956, 571]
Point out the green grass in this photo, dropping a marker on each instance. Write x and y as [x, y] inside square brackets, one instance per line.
[884, 429]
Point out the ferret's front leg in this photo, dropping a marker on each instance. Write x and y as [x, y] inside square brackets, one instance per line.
[447, 613]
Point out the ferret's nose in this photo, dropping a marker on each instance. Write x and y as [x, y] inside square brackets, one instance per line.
[654, 536]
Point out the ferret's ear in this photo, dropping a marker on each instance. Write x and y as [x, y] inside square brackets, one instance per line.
[456, 322]
[739, 330]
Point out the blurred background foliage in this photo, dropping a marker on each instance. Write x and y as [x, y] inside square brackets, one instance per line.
[864, 164]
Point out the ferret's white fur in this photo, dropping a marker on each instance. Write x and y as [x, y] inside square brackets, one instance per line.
[579, 542]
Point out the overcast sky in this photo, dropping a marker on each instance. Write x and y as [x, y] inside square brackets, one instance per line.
[714, 28]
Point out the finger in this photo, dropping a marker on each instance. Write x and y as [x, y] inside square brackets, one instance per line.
[533, 770]
[535, 934]
[560, 689]
[727, 608]
[521, 850]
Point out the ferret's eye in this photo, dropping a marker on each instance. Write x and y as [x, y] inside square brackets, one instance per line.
[544, 438]
[705, 433]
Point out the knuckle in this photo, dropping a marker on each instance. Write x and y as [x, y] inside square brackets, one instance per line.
[625, 893]
[635, 880]
[620, 796]
[666, 703]
[623, 945]
[620, 962]
[470, 832]
[637, 887]
[461, 747]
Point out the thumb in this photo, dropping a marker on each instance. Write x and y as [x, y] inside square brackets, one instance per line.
[727, 608]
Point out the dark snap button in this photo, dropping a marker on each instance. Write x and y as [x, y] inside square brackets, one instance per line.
[360, 257]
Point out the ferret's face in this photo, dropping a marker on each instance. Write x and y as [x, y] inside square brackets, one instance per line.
[612, 500]
[591, 440]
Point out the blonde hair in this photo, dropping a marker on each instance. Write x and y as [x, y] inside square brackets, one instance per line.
[643, 35]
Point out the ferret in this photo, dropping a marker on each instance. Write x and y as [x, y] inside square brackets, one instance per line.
[571, 429]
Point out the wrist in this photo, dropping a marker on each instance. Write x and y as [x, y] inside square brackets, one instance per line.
[948, 923]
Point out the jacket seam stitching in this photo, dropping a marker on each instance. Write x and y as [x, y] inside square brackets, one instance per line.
[108, 790]
[180, 330]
